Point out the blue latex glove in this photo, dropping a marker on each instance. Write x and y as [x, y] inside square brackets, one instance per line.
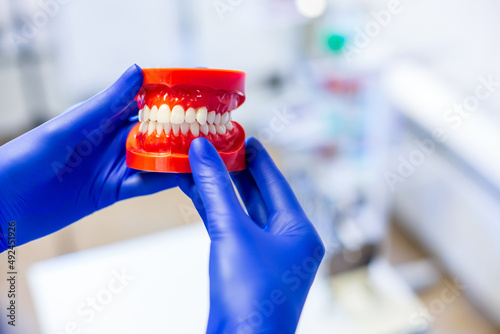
[262, 264]
[73, 165]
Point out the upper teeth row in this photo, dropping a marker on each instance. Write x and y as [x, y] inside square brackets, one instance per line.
[178, 116]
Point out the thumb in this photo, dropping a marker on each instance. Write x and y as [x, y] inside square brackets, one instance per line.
[112, 101]
[110, 108]
[223, 211]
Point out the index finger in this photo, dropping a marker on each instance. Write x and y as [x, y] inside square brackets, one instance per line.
[273, 186]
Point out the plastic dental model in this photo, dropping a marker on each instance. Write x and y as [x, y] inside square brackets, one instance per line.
[178, 105]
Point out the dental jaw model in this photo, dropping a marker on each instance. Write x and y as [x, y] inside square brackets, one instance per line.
[179, 105]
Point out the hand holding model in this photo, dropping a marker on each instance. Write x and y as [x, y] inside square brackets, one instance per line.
[73, 165]
[261, 264]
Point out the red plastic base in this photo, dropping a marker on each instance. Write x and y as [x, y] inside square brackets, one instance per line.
[139, 159]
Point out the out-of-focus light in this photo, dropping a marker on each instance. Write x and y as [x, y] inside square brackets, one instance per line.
[336, 42]
[311, 8]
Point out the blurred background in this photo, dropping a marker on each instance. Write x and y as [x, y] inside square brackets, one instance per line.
[387, 130]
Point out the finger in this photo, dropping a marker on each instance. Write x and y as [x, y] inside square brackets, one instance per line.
[139, 183]
[275, 190]
[134, 118]
[109, 108]
[113, 100]
[251, 197]
[186, 184]
[223, 210]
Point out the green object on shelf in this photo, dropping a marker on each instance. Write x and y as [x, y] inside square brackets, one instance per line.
[336, 42]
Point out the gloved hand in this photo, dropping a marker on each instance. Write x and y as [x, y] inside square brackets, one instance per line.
[262, 264]
[73, 165]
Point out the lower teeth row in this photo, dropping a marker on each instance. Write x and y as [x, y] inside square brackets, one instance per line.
[195, 128]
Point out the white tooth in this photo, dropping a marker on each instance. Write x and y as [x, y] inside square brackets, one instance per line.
[204, 129]
[211, 117]
[217, 119]
[185, 128]
[177, 116]
[190, 115]
[144, 127]
[230, 116]
[211, 128]
[146, 113]
[164, 114]
[159, 128]
[195, 129]
[151, 128]
[141, 115]
[175, 129]
[221, 129]
[225, 118]
[153, 115]
[229, 126]
[201, 115]
[167, 127]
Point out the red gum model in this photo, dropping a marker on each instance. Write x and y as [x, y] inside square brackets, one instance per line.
[176, 106]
